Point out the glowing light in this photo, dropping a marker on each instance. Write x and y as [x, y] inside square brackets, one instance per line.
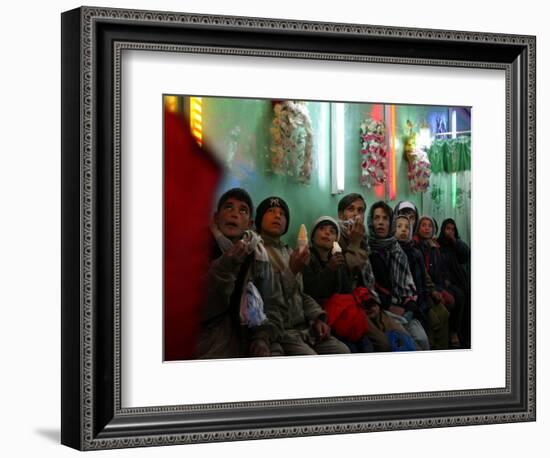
[323, 144]
[453, 123]
[377, 112]
[338, 147]
[453, 176]
[379, 191]
[393, 174]
[171, 103]
[424, 138]
[195, 118]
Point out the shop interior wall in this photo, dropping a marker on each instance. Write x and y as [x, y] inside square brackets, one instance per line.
[238, 131]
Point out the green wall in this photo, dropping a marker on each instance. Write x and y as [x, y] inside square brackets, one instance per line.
[238, 132]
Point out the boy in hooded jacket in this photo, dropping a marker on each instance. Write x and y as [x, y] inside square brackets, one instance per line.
[239, 276]
[327, 279]
[456, 257]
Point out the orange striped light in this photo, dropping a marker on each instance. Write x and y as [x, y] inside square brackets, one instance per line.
[195, 118]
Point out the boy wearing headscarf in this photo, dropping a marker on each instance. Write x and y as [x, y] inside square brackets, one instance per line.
[241, 285]
[455, 253]
[430, 311]
[394, 282]
[456, 257]
[452, 296]
[300, 319]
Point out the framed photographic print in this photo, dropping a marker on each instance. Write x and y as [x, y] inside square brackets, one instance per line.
[275, 228]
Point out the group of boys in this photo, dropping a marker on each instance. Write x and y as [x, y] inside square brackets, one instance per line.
[346, 292]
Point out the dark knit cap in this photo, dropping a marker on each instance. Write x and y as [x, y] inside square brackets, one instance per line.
[238, 194]
[268, 203]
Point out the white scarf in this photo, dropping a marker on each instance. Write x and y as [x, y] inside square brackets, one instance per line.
[252, 242]
[251, 306]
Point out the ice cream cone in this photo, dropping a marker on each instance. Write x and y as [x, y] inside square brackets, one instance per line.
[302, 238]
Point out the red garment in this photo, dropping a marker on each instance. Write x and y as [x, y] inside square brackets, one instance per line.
[345, 315]
[191, 177]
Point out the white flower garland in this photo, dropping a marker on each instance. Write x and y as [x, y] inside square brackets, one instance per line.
[291, 141]
[373, 152]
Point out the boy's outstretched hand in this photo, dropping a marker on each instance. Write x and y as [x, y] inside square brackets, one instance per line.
[336, 260]
[237, 253]
[298, 260]
[357, 233]
[322, 330]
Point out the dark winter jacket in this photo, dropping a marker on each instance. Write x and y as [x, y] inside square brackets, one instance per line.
[222, 335]
[456, 257]
[321, 282]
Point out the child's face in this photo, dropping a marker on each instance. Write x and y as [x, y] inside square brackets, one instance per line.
[233, 218]
[450, 231]
[425, 230]
[402, 229]
[325, 236]
[356, 208]
[409, 212]
[274, 222]
[381, 222]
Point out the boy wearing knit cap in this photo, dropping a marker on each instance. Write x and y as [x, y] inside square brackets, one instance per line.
[300, 319]
[327, 273]
[328, 281]
[241, 285]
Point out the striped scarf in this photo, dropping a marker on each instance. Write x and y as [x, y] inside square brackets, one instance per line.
[402, 281]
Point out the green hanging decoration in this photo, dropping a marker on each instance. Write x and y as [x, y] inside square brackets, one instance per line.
[450, 155]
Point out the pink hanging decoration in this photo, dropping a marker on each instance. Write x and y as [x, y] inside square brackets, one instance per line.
[373, 153]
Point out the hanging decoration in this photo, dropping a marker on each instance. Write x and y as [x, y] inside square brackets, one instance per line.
[291, 141]
[373, 153]
[451, 155]
[419, 168]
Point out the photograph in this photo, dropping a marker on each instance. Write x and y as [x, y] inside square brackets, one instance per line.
[315, 227]
[280, 229]
[276, 228]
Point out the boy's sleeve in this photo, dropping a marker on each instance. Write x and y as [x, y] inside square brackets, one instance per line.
[462, 252]
[312, 310]
[222, 276]
[290, 283]
[430, 285]
[355, 258]
[268, 285]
